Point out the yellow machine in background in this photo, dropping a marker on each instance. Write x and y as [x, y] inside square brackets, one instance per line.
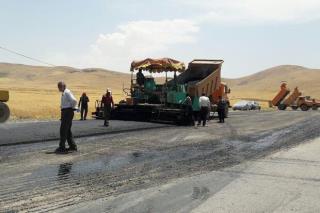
[4, 109]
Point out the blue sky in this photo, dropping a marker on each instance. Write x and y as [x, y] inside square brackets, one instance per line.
[250, 35]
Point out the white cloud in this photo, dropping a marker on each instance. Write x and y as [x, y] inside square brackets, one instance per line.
[255, 11]
[140, 39]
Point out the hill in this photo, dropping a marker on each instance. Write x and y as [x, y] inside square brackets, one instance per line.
[46, 78]
[33, 90]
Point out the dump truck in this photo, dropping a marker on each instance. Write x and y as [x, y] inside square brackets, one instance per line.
[284, 100]
[204, 76]
[4, 109]
[165, 102]
[280, 96]
[291, 100]
[305, 103]
[295, 100]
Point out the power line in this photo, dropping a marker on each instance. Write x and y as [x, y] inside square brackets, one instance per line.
[20, 54]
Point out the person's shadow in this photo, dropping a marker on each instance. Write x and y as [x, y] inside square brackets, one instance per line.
[64, 171]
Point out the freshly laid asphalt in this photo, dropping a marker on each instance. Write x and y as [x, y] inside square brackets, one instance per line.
[14, 133]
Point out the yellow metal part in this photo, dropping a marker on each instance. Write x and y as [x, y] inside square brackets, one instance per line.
[4, 95]
[293, 97]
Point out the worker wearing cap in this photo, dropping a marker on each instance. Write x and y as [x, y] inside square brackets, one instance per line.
[83, 102]
[68, 105]
[204, 109]
[107, 104]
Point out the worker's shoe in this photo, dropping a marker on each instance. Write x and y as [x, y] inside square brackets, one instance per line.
[72, 149]
[61, 150]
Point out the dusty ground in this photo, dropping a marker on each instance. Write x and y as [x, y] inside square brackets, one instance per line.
[110, 166]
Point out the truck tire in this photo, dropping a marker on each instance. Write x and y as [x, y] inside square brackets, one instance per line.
[282, 107]
[4, 112]
[304, 107]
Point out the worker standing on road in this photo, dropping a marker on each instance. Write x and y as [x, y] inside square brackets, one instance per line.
[222, 109]
[107, 104]
[204, 109]
[83, 102]
[188, 103]
[68, 105]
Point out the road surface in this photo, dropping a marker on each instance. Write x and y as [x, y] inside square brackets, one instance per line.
[36, 132]
[167, 169]
[287, 181]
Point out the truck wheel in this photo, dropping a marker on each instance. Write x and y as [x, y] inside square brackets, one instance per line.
[294, 107]
[282, 107]
[304, 107]
[4, 112]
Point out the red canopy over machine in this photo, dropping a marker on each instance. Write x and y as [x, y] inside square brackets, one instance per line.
[158, 65]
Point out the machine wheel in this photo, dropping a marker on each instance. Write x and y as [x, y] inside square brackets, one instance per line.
[294, 107]
[282, 107]
[304, 107]
[4, 112]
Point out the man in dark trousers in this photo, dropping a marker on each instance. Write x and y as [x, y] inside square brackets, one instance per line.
[107, 104]
[68, 105]
[205, 105]
[188, 104]
[221, 109]
[83, 102]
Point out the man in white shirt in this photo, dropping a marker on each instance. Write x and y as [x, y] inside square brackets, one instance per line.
[68, 105]
[205, 105]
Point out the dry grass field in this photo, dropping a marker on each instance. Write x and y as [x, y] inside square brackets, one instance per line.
[34, 94]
